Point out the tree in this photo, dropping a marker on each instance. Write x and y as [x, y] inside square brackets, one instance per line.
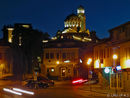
[31, 46]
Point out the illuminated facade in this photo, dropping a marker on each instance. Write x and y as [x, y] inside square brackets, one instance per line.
[61, 62]
[77, 21]
[115, 51]
[72, 42]
[75, 27]
[6, 62]
[119, 44]
[61, 58]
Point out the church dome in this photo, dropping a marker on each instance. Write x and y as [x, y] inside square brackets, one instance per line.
[71, 17]
[72, 21]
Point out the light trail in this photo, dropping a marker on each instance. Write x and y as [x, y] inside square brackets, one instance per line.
[23, 91]
[11, 91]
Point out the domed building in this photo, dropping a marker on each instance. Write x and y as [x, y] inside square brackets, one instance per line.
[75, 27]
[72, 21]
[63, 55]
[76, 21]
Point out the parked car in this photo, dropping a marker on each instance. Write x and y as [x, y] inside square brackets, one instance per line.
[36, 84]
[46, 80]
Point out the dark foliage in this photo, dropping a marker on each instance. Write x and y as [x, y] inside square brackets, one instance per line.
[31, 47]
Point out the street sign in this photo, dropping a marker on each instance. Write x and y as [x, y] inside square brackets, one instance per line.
[106, 70]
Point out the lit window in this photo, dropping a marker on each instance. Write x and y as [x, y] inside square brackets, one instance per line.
[97, 63]
[52, 70]
[20, 40]
[61, 37]
[26, 26]
[127, 63]
[102, 65]
[80, 11]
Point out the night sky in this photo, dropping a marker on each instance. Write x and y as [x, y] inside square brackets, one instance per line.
[49, 15]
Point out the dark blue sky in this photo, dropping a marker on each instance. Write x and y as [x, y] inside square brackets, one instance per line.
[48, 15]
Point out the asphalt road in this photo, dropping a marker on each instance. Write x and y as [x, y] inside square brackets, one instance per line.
[60, 90]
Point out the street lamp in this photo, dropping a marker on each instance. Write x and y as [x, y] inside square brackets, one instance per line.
[90, 75]
[57, 62]
[89, 61]
[115, 56]
[114, 64]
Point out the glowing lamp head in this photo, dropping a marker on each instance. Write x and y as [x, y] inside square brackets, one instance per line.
[106, 70]
[115, 56]
[89, 61]
[57, 62]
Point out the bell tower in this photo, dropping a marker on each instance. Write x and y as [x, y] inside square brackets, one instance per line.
[81, 15]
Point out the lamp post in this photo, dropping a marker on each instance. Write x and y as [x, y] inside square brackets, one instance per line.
[89, 61]
[115, 57]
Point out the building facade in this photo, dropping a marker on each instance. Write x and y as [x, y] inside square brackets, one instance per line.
[8, 32]
[63, 54]
[61, 62]
[114, 53]
[6, 62]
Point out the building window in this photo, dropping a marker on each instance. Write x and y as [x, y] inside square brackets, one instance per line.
[20, 40]
[104, 53]
[101, 53]
[96, 54]
[0, 56]
[64, 56]
[52, 69]
[72, 55]
[127, 52]
[57, 55]
[108, 52]
[68, 70]
[47, 55]
[51, 55]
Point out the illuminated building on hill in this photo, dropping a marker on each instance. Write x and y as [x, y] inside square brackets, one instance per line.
[75, 27]
[62, 54]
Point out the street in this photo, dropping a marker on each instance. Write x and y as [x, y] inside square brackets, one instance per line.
[60, 90]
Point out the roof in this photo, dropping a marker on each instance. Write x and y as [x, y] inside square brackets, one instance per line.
[63, 43]
[71, 16]
[80, 7]
[119, 26]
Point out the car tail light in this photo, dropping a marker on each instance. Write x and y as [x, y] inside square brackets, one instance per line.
[77, 81]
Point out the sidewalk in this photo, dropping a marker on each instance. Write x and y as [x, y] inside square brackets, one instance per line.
[97, 90]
